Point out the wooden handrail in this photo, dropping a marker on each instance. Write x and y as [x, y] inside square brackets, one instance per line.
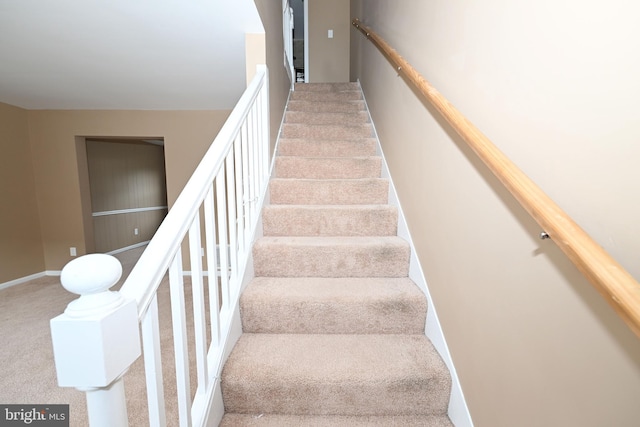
[613, 282]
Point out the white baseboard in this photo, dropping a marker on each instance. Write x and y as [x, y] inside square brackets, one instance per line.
[22, 280]
[54, 273]
[458, 410]
[126, 248]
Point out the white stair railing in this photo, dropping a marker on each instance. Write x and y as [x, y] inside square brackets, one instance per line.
[287, 34]
[97, 338]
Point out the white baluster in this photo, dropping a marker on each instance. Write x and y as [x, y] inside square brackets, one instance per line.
[265, 142]
[96, 339]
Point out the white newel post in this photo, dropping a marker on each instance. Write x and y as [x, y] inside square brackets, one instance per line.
[96, 339]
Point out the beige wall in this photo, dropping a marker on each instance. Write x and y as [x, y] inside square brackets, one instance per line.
[20, 239]
[255, 52]
[328, 58]
[125, 174]
[555, 86]
[271, 14]
[187, 135]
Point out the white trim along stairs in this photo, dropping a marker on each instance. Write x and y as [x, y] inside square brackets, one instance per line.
[333, 325]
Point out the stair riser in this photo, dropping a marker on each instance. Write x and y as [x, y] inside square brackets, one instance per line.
[318, 96]
[328, 168]
[316, 148]
[296, 130]
[326, 118]
[313, 221]
[326, 107]
[333, 319]
[268, 420]
[279, 313]
[327, 87]
[335, 399]
[329, 192]
[358, 260]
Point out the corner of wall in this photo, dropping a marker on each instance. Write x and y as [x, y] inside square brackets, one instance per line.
[255, 53]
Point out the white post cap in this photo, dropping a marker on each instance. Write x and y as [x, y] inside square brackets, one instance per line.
[97, 338]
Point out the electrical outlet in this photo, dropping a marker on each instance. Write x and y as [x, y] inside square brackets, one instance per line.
[330, 34]
[72, 251]
[136, 231]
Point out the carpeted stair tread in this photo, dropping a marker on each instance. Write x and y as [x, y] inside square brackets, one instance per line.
[367, 191]
[279, 305]
[270, 420]
[383, 256]
[299, 374]
[330, 220]
[326, 118]
[326, 106]
[327, 148]
[300, 130]
[328, 167]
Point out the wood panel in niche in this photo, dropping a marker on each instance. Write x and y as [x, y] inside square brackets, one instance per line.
[126, 175]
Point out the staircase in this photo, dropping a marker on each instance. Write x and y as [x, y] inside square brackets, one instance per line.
[333, 328]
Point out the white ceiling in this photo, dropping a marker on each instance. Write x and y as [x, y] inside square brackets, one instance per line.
[124, 54]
